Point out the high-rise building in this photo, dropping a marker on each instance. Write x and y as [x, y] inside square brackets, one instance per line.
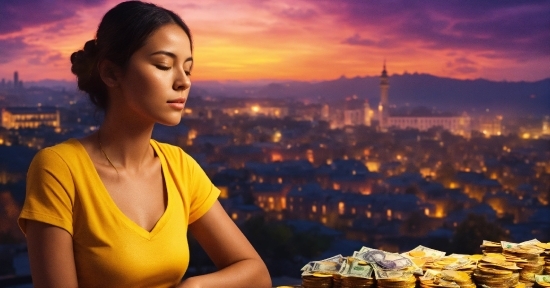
[15, 80]
[383, 113]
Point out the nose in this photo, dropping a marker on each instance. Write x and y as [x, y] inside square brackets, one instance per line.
[182, 81]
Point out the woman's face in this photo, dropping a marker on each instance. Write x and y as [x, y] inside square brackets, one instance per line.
[155, 85]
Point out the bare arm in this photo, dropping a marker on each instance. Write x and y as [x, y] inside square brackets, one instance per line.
[51, 255]
[239, 263]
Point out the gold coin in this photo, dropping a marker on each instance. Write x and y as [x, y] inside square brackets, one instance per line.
[492, 271]
[496, 255]
[417, 253]
[321, 275]
[475, 257]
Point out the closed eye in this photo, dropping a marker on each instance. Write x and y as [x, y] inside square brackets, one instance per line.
[188, 73]
[165, 68]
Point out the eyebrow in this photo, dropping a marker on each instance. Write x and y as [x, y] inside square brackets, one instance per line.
[171, 55]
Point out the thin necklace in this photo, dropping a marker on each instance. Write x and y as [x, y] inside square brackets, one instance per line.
[101, 148]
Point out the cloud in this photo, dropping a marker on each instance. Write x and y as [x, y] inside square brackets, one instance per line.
[518, 29]
[357, 40]
[11, 48]
[19, 14]
[44, 58]
[466, 69]
[298, 13]
[464, 61]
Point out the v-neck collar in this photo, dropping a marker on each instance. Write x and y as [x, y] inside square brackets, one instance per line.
[108, 200]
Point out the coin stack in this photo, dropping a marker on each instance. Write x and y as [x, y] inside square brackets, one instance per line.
[546, 253]
[491, 247]
[317, 280]
[532, 265]
[493, 271]
[400, 282]
[352, 282]
[354, 273]
[464, 263]
[462, 279]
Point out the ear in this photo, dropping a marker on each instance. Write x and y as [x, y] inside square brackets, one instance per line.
[109, 73]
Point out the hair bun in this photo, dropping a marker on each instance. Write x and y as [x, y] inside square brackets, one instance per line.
[90, 48]
[84, 66]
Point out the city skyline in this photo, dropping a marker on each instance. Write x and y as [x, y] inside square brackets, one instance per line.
[304, 40]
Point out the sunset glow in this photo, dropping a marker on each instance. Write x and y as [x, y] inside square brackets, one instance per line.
[303, 39]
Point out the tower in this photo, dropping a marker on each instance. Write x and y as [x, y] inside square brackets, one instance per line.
[15, 80]
[383, 106]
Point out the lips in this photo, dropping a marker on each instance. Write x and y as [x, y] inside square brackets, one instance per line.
[178, 100]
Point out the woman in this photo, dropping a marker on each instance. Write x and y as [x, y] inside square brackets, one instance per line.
[113, 209]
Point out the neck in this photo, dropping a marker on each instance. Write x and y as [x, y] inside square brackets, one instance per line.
[126, 144]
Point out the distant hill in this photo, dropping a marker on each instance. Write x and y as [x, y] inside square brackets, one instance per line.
[472, 96]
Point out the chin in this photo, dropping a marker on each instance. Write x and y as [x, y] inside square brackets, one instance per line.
[170, 122]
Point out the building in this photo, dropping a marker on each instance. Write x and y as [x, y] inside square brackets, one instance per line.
[418, 119]
[30, 117]
[257, 109]
[356, 112]
[459, 125]
[488, 125]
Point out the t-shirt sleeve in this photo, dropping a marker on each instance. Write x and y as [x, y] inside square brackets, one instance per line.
[202, 192]
[49, 193]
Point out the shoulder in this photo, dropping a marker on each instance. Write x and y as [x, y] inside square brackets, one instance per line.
[61, 152]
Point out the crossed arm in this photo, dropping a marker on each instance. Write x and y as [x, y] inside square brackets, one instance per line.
[52, 260]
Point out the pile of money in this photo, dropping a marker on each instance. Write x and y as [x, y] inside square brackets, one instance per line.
[446, 279]
[493, 270]
[319, 274]
[391, 270]
[421, 256]
[542, 281]
[502, 265]
[529, 252]
[354, 273]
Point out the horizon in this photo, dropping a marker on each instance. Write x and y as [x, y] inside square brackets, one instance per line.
[270, 81]
[303, 40]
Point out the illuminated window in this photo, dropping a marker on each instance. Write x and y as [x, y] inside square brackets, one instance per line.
[427, 211]
[235, 216]
[369, 214]
[388, 213]
[314, 208]
[324, 209]
[353, 211]
[341, 208]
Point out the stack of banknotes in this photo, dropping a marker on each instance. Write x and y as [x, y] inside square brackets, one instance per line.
[502, 265]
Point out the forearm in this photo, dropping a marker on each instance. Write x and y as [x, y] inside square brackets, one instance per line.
[246, 273]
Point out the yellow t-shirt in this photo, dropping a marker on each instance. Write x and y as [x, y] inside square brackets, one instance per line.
[110, 250]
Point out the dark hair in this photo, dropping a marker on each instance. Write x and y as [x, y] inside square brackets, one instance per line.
[122, 31]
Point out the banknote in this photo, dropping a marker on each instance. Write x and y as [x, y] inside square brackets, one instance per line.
[389, 274]
[384, 259]
[356, 268]
[427, 252]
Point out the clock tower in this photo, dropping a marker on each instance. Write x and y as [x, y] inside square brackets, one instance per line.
[383, 113]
